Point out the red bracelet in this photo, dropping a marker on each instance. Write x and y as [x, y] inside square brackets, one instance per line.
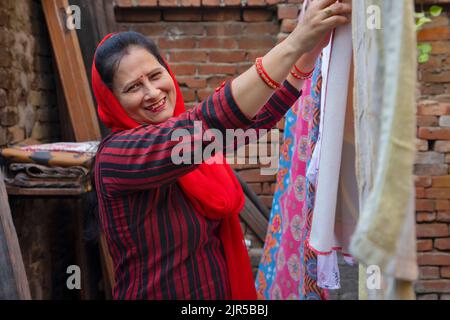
[301, 75]
[264, 76]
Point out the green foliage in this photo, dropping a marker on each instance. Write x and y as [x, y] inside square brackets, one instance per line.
[421, 19]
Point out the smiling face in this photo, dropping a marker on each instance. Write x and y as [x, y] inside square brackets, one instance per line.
[144, 87]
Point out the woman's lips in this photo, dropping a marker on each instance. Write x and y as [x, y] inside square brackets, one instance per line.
[158, 107]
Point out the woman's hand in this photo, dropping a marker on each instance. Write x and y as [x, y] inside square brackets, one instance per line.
[313, 32]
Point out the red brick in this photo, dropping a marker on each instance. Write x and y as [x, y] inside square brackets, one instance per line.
[433, 259]
[210, 3]
[256, 43]
[254, 3]
[215, 81]
[178, 43]
[189, 3]
[432, 63]
[424, 205]
[440, 47]
[267, 188]
[167, 3]
[233, 2]
[427, 121]
[188, 95]
[425, 216]
[445, 272]
[253, 54]
[421, 145]
[430, 296]
[227, 56]
[134, 15]
[287, 11]
[288, 25]
[442, 244]
[216, 69]
[433, 133]
[427, 273]
[266, 200]
[431, 169]
[437, 77]
[427, 230]
[188, 56]
[272, 2]
[149, 29]
[192, 82]
[261, 28]
[437, 193]
[123, 3]
[220, 43]
[183, 69]
[244, 67]
[257, 15]
[422, 181]
[442, 181]
[202, 94]
[420, 193]
[222, 15]
[443, 216]
[423, 286]
[424, 245]
[182, 15]
[433, 108]
[184, 29]
[439, 33]
[442, 146]
[254, 175]
[256, 187]
[229, 29]
[148, 3]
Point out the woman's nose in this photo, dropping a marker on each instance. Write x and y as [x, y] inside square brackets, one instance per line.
[150, 91]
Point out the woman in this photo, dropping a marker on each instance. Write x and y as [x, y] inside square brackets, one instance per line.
[173, 230]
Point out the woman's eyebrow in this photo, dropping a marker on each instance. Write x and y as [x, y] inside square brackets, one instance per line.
[133, 81]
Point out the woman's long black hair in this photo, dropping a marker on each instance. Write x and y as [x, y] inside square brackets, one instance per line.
[107, 60]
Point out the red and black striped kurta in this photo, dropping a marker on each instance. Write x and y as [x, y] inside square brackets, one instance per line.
[161, 247]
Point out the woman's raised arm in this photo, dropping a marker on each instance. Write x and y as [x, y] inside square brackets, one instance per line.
[249, 90]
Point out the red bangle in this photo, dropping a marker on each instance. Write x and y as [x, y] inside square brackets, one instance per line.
[302, 74]
[300, 77]
[264, 76]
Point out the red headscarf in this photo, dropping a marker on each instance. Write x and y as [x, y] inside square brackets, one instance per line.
[213, 189]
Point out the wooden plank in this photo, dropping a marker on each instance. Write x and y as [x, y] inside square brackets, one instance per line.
[13, 278]
[253, 197]
[17, 191]
[72, 72]
[107, 266]
[251, 215]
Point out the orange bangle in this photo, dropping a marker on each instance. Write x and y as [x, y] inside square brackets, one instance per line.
[264, 76]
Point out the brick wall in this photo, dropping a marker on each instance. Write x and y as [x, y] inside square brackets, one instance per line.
[433, 159]
[27, 89]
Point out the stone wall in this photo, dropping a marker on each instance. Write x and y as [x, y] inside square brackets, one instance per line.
[27, 86]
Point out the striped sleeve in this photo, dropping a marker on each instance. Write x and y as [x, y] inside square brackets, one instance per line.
[276, 107]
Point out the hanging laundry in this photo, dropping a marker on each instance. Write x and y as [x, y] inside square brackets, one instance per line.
[385, 145]
[288, 267]
[332, 169]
